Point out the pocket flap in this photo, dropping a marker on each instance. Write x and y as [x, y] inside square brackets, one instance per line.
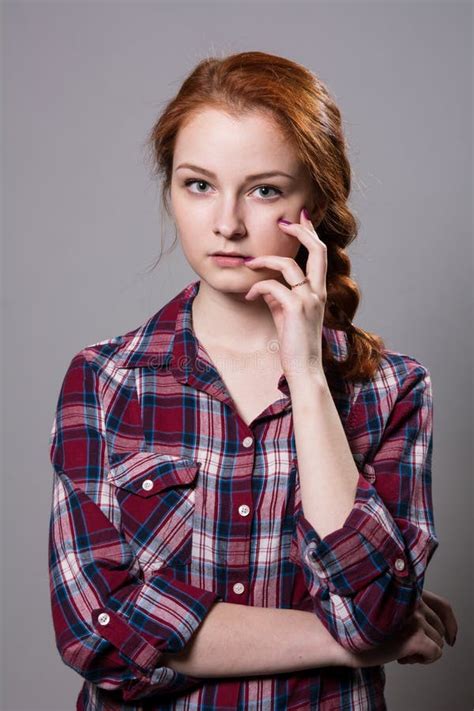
[147, 473]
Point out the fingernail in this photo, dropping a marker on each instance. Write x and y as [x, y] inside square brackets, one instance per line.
[287, 222]
[306, 213]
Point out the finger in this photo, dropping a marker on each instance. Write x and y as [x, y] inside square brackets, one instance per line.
[432, 633]
[291, 271]
[435, 621]
[445, 612]
[428, 652]
[317, 252]
[433, 654]
[316, 268]
[410, 659]
[275, 289]
[303, 230]
[420, 659]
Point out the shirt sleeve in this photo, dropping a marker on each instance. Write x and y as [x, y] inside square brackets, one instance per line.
[111, 626]
[366, 578]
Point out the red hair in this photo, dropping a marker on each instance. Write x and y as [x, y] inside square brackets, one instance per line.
[302, 107]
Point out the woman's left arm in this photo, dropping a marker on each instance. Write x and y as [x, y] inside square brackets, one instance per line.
[364, 558]
[363, 554]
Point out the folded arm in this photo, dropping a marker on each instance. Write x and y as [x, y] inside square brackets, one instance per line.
[141, 637]
[111, 626]
[366, 577]
[237, 640]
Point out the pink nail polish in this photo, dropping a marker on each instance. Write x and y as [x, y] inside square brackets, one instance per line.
[306, 213]
[287, 222]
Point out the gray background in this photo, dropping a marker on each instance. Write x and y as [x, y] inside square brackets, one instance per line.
[83, 83]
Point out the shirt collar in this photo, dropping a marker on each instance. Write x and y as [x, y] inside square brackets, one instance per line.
[167, 339]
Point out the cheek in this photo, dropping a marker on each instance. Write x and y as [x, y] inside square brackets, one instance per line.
[189, 246]
[192, 229]
[284, 245]
[188, 236]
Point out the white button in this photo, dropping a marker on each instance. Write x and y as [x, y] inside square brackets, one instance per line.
[238, 588]
[244, 510]
[104, 618]
[313, 560]
[147, 484]
[400, 564]
[247, 442]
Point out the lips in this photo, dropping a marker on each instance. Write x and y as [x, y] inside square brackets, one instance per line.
[230, 260]
[224, 254]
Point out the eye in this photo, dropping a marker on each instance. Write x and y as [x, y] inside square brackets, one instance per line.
[270, 187]
[201, 182]
[204, 182]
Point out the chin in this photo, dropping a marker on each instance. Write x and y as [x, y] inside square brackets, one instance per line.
[228, 281]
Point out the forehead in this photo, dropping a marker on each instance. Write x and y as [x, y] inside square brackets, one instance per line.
[252, 142]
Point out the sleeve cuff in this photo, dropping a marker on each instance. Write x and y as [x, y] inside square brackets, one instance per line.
[161, 619]
[366, 546]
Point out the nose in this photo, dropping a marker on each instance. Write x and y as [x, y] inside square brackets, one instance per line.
[229, 223]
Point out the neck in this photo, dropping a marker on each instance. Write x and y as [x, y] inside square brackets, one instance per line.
[228, 320]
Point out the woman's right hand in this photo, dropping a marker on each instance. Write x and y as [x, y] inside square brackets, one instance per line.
[420, 641]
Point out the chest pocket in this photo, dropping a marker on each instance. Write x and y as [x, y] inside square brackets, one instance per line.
[156, 496]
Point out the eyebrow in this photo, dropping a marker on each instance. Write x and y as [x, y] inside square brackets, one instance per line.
[258, 176]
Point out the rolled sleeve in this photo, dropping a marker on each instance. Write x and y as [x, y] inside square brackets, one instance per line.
[163, 616]
[366, 577]
[111, 625]
[367, 545]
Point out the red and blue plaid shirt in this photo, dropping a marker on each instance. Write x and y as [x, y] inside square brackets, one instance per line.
[165, 502]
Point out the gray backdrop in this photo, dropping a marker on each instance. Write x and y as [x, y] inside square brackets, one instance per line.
[83, 83]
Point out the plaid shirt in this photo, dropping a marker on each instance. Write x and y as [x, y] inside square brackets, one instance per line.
[164, 502]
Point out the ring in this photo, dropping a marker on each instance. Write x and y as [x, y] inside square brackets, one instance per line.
[300, 282]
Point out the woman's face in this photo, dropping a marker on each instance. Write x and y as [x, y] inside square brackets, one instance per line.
[218, 206]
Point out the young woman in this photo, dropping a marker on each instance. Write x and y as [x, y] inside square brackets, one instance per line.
[242, 511]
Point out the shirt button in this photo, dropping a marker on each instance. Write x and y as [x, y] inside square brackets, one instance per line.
[400, 564]
[312, 558]
[147, 484]
[247, 442]
[104, 618]
[244, 510]
[238, 588]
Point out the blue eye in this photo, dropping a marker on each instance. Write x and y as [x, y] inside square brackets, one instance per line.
[270, 187]
[188, 182]
[204, 182]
